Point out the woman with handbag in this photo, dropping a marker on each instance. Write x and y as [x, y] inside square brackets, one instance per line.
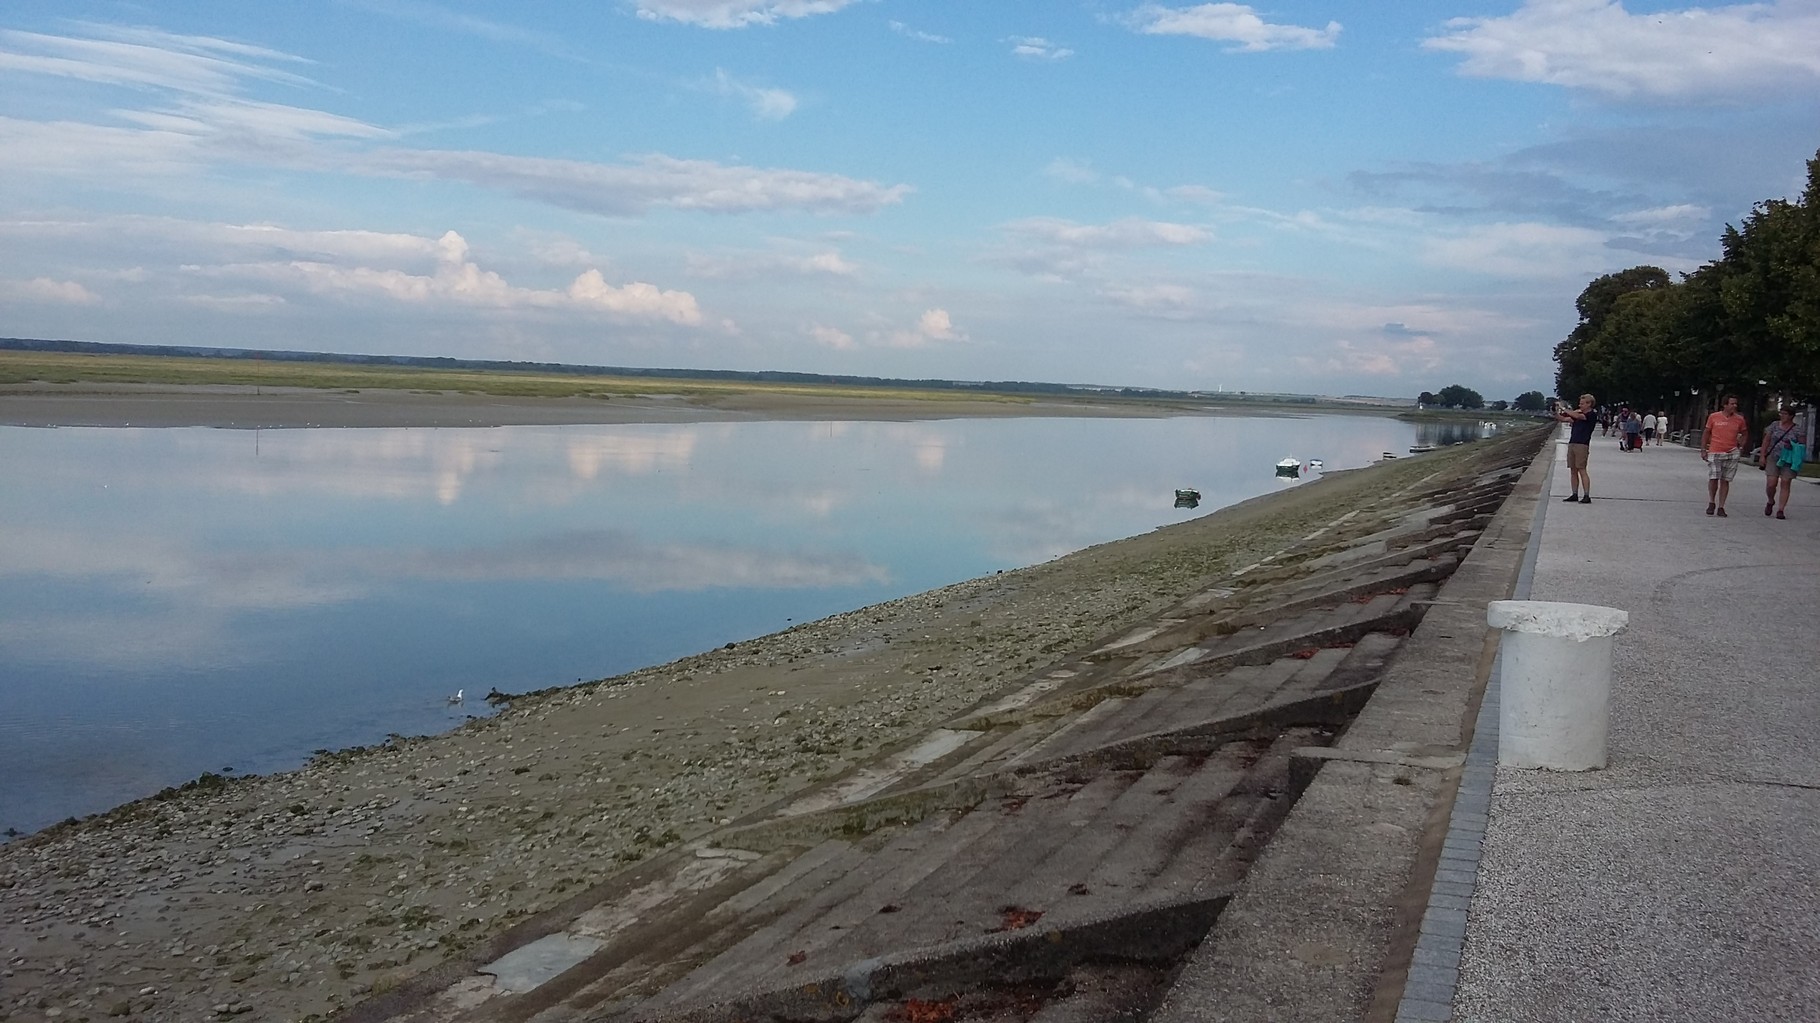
[1782, 456]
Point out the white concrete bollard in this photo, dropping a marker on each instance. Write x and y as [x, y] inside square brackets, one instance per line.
[1555, 671]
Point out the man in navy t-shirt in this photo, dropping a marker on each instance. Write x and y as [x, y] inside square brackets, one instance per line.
[1579, 444]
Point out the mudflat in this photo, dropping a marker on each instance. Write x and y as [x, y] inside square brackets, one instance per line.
[293, 895]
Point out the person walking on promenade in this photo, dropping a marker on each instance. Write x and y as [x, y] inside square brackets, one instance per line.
[1579, 445]
[1632, 425]
[1649, 428]
[1661, 427]
[1721, 443]
[1782, 456]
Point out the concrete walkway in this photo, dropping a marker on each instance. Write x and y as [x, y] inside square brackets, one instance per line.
[1683, 882]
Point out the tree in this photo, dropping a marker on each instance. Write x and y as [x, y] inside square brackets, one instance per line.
[1531, 401]
[1427, 398]
[1499, 405]
[1596, 303]
[1457, 396]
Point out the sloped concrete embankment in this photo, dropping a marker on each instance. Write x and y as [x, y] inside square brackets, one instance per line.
[1221, 807]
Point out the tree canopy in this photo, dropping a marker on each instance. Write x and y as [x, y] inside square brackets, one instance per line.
[1751, 315]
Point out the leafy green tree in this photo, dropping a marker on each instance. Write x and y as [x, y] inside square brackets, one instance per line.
[1579, 370]
[1499, 405]
[1427, 398]
[1530, 401]
[1457, 396]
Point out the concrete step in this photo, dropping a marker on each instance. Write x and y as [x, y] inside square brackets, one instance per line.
[1119, 863]
[927, 911]
[911, 878]
[768, 922]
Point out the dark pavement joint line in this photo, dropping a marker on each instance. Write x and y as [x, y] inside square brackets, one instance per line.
[1434, 976]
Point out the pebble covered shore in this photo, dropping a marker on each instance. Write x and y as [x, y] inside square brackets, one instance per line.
[291, 896]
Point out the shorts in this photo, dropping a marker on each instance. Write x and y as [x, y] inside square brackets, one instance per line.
[1576, 456]
[1780, 472]
[1722, 465]
[1649, 433]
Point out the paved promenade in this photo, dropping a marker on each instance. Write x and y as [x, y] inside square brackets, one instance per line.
[1683, 882]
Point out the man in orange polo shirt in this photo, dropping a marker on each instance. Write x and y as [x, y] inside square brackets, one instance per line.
[1721, 445]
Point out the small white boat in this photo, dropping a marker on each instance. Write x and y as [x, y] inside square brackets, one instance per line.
[1316, 465]
[1289, 467]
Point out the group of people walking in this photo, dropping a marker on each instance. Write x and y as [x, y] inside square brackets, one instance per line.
[1634, 429]
[1722, 446]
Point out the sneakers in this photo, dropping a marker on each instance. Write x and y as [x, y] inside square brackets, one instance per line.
[1722, 513]
[1709, 507]
[1769, 507]
[1781, 516]
[1586, 500]
[1571, 498]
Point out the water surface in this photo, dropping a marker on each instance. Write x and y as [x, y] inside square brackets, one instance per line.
[185, 600]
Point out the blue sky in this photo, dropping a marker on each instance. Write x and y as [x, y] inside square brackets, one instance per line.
[1333, 198]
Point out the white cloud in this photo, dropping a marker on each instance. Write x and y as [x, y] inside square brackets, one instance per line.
[1761, 49]
[831, 337]
[770, 264]
[770, 104]
[734, 13]
[1126, 233]
[1682, 213]
[934, 325]
[1073, 172]
[458, 280]
[922, 37]
[1038, 48]
[1385, 358]
[647, 182]
[145, 58]
[1239, 24]
[43, 289]
[1522, 250]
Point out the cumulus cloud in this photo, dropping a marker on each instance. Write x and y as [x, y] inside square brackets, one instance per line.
[459, 280]
[645, 183]
[770, 104]
[1238, 24]
[1738, 51]
[1038, 48]
[933, 326]
[44, 289]
[734, 13]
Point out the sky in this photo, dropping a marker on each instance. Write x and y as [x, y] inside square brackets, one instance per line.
[1307, 197]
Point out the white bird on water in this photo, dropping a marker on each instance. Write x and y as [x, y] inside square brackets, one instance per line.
[457, 697]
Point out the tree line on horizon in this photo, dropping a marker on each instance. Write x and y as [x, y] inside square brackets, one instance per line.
[1460, 396]
[1746, 323]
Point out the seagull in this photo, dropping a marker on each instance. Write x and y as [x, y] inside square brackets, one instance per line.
[457, 697]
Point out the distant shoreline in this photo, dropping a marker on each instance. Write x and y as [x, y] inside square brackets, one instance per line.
[254, 407]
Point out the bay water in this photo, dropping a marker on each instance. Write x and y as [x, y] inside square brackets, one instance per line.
[177, 601]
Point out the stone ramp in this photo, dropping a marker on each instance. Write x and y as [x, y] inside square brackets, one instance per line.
[1050, 855]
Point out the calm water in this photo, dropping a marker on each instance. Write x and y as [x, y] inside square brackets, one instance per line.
[187, 600]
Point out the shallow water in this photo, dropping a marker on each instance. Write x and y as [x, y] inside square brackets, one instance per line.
[186, 600]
